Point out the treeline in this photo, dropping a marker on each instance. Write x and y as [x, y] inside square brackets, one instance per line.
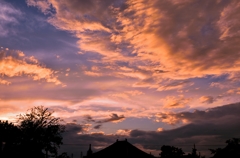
[174, 152]
[232, 150]
[35, 132]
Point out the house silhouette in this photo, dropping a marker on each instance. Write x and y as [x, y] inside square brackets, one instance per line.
[119, 149]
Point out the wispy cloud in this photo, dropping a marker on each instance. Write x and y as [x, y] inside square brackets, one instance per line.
[8, 16]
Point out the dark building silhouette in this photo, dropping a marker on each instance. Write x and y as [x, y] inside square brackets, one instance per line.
[89, 152]
[119, 149]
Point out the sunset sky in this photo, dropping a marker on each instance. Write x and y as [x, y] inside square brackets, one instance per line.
[153, 71]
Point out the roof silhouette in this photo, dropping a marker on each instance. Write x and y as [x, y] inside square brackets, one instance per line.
[120, 149]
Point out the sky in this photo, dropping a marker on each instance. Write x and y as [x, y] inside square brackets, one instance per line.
[157, 72]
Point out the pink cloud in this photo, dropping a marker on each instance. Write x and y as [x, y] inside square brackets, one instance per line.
[176, 102]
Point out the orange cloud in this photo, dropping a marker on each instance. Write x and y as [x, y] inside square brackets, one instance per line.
[175, 102]
[160, 129]
[168, 118]
[125, 132]
[91, 73]
[11, 66]
[4, 82]
[207, 99]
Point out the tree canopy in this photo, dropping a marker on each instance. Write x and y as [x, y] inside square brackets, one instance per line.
[41, 130]
[171, 151]
[231, 150]
[37, 131]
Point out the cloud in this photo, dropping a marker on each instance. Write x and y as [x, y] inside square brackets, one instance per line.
[211, 114]
[220, 85]
[74, 128]
[127, 94]
[113, 118]
[94, 74]
[160, 129]
[88, 118]
[8, 16]
[227, 24]
[98, 123]
[124, 132]
[168, 118]
[44, 6]
[4, 82]
[175, 85]
[17, 64]
[97, 127]
[207, 99]
[176, 102]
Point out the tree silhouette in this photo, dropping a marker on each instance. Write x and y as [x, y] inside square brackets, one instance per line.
[171, 152]
[40, 131]
[231, 150]
[9, 136]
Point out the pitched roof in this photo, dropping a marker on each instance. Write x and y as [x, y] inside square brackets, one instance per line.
[120, 149]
